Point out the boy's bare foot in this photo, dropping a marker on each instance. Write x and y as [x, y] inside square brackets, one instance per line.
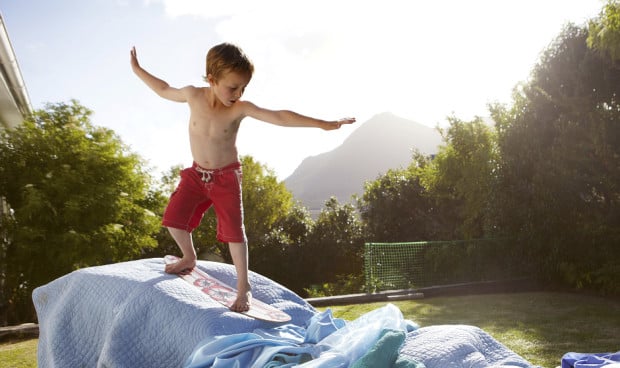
[183, 265]
[243, 302]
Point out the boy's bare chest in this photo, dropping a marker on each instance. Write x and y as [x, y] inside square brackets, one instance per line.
[208, 122]
[213, 125]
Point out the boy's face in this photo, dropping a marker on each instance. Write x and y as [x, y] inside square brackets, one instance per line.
[229, 87]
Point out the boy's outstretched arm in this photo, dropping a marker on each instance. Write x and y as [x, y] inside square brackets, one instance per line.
[291, 119]
[159, 86]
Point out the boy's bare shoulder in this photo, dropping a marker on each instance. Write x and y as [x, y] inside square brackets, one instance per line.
[193, 89]
[193, 93]
[245, 106]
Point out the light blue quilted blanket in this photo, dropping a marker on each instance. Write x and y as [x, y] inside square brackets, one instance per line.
[133, 314]
[459, 346]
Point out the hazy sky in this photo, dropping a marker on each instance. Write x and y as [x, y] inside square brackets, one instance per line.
[422, 60]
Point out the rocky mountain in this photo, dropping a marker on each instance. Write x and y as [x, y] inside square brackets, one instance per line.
[384, 142]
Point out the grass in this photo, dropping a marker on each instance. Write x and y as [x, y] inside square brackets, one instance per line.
[540, 327]
[19, 354]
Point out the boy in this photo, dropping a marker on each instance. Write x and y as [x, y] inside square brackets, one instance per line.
[215, 176]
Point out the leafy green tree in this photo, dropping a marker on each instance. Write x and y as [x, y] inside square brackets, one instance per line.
[158, 199]
[265, 200]
[396, 206]
[460, 178]
[77, 198]
[335, 245]
[282, 254]
[604, 31]
[447, 197]
[559, 176]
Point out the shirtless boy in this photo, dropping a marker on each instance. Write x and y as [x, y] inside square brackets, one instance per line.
[215, 176]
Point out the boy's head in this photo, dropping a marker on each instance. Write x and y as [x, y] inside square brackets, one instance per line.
[225, 58]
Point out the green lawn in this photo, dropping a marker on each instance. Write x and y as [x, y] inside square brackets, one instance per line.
[541, 327]
[20, 354]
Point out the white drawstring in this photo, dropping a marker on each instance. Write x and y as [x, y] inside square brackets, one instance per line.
[207, 175]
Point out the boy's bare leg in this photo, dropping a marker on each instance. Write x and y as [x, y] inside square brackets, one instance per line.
[184, 241]
[239, 254]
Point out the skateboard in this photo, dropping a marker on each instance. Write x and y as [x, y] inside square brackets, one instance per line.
[226, 295]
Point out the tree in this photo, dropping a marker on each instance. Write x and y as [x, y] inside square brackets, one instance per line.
[447, 197]
[396, 206]
[77, 198]
[158, 199]
[604, 31]
[265, 200]
[560, 169]
[460, 178]
[282, 254]
[335, 245]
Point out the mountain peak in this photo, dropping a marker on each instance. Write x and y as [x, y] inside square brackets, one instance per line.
[381, 143]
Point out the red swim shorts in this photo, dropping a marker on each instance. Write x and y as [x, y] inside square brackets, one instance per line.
[201, 188]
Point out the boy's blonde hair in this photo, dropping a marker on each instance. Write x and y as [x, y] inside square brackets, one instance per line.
[226, 57]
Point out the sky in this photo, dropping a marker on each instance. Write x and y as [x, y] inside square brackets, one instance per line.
[423, 60]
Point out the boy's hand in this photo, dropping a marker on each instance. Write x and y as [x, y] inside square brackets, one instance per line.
[134, 58]
[338, 123]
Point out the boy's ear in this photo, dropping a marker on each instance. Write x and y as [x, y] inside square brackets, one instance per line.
[211, 79]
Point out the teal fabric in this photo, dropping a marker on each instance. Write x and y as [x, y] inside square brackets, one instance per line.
[407, 362]
[385, 353]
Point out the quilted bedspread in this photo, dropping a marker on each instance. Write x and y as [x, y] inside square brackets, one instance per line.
[133, 314]
[459, 346]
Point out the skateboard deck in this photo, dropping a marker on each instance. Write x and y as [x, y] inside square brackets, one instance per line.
[226, 295]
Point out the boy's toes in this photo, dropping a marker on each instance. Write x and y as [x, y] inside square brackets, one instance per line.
[181, 267]
[240, 307]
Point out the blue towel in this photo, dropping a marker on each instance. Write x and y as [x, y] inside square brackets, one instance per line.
[590, 360]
